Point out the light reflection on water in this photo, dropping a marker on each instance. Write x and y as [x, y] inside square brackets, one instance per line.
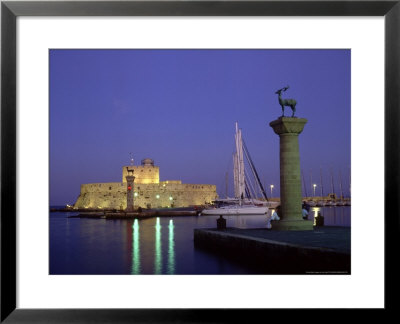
[135, 248]
[333, 216]
[171, 248]
[158, 246]
[149, 246]
[158, 251]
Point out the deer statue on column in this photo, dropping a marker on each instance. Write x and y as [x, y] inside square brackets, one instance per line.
[286, 102]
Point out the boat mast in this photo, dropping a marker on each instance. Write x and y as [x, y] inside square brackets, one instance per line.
[349, 182]
[320, 180]
[240, 163]
[304, 184]
[226, 185]
[249, 187]
[254, 171]
[235, 176]
[332, 185]
[341, 189]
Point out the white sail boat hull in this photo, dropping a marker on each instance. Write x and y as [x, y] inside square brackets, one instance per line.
[236, 210]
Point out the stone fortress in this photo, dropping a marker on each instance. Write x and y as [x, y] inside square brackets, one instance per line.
[149, 191]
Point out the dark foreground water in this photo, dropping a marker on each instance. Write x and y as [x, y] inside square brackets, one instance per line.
[150, 246]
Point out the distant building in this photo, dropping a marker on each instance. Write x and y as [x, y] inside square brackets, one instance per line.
[149, 191]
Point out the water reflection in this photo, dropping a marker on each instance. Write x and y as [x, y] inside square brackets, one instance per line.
[333, 216]
[148, 246]
[158, 246]
[135, 248]
[158, 243]
[161, 261]
[316, 210]
[171, 248]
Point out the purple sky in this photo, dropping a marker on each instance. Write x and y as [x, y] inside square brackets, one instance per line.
[179, 107]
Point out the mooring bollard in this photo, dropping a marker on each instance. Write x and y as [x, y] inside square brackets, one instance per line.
[221, 222]
[319, 220]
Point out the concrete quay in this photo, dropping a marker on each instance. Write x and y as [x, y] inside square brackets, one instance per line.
[324, 250]
[132, 215]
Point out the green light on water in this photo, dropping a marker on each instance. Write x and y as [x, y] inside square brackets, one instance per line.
[171, 248]
[158, 251]
[135, 248]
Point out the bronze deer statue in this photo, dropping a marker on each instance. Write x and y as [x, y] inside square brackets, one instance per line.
[286, 102]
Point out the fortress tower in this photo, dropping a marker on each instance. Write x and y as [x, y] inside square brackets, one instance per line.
[145, 173]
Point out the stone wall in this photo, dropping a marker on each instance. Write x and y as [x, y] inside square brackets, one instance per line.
[102, 195]
[278, 256]
[153, 195]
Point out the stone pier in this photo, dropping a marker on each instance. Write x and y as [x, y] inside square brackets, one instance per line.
[288, 129]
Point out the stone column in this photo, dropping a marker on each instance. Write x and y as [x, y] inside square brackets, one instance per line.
[129, 189]
[288, 129]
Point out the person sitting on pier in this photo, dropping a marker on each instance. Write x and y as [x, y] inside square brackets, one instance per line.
[304, 213]
[305, 206]
[274, 216]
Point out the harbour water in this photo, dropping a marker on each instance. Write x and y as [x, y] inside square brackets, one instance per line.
[150, 246]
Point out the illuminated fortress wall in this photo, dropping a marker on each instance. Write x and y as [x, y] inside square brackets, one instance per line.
[102, 195]
[145, 173]
[171, 193]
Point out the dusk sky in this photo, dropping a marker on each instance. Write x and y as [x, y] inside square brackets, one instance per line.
[179, 107]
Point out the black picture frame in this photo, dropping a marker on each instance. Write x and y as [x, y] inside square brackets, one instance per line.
[10, 10]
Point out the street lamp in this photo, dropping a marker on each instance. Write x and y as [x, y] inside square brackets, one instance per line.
[272, 187]
[314, 185]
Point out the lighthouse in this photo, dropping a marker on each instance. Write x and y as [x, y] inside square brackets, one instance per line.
[129, 189]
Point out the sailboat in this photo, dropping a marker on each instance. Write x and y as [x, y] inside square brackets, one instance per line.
[341, 201]
[332, 202]
[321, 202]
[242, 204]
[311, 201]
[348, 201]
